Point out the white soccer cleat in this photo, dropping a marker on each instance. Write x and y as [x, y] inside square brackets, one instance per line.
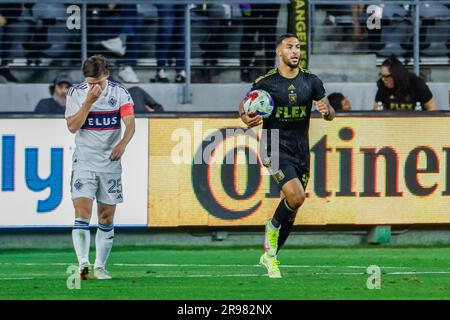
[114, 45]
[272, 266]
[101, 274]
[127, 74]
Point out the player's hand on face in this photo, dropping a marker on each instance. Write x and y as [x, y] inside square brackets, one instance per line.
[117, 152]
[3, 20]
[251, 119]
[322, 107]
[94, 92]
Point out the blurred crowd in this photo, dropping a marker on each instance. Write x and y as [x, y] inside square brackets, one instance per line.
[34, 31]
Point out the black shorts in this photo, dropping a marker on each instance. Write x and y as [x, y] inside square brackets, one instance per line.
[289, 169]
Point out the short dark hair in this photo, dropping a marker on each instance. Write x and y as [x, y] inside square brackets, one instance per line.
[285, 36]
[335, 99]
[95, 66]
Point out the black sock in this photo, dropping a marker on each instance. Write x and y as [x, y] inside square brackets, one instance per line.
[285, 230]
[282, 213]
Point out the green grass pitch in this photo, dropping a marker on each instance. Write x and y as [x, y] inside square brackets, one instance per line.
[232, 273]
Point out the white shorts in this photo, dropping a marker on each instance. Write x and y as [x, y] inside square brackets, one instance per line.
[105, 187]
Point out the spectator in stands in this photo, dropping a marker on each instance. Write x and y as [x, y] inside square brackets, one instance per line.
[215, 19]
[339, 102]
[143, 102]
[9, 14]
[261, 19]
[58, 89]
[338, 15]
[357, 11]
[399, 89]
[170, 38]
[122, 25]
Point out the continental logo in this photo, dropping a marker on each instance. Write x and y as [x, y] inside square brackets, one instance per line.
[201, 176]
[356, 177]
[290, 113]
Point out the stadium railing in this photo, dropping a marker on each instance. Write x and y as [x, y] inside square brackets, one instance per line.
[414, 30]
[61, 34]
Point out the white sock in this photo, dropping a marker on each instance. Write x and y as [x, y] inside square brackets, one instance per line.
[81, 238]
[103, 244]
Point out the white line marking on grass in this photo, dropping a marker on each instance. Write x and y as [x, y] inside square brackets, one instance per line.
[37, 263]
[209, 275]
[238, 265]
[23, 278]
[418, 272]
[339, 273]
[388, 273]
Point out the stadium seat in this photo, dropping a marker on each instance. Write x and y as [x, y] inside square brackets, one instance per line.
[395, 31]
[435, 19]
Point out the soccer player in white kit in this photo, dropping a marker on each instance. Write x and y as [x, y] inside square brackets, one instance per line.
[94, 111]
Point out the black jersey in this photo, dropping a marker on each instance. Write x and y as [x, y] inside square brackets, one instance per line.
[292, 111]
[392, 99]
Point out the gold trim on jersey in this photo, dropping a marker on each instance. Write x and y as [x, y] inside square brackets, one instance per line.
[275, 70]
[269, 73]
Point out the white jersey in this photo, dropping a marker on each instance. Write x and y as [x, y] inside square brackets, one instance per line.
[102, 130]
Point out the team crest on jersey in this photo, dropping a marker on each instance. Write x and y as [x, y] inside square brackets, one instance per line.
[78, 185]
[112, 102]
[292, 97]
[292, 94]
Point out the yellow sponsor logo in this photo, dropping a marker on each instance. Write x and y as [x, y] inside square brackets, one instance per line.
[296, 112]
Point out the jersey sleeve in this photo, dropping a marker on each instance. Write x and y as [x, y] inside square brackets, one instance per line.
[126, 104]
[423, 93]
[318, 91]
[73, 105]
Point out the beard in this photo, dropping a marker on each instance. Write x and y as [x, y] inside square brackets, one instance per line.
[290, 64]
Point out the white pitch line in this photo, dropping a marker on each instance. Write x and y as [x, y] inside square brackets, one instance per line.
[24, 278]
[37, 263]
[209, 275]
[340, 273]
[235, 266]
[242, 265]
[418, 272]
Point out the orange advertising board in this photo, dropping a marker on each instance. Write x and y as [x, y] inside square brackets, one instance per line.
[364, 170]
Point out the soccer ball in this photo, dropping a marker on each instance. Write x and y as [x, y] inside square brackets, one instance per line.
[259, 102]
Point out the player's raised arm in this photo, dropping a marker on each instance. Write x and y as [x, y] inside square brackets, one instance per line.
[119, 149]
[76, 121]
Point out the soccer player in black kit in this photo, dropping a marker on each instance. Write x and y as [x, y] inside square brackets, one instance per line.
[293, 90]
